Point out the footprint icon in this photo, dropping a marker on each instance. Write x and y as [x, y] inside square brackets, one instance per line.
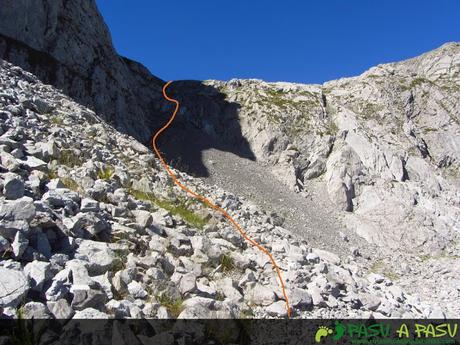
[322, 332]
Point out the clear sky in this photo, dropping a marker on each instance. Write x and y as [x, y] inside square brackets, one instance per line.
[276, 40]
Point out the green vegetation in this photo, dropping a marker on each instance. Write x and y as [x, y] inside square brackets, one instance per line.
[226, 263]
[119, 263]
[418, 81]
[219, 296]
[178, 208]
[442, 255]
[174, 306]
[70, 158]
[105, 173]
[369, 110]
[70, 184]
[57, 120]
[297, 126]
[380, 267]
[52, 174]
[332, 128]
[246, 314]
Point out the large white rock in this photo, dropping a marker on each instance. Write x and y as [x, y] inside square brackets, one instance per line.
[99, 256]
[39, 273]
[14, 287]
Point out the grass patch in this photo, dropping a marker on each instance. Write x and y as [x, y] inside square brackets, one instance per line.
[332, 129]
[52, 174]
[56, 120]
[417, 81]
[377, 266]
[219, 296]
[380, 267]
[425, 257]
[105, 173]
[391, 275]
[175, 208]
[174, 306]
[246, 314]
[70, 184]
[70, 159]
[226, 263]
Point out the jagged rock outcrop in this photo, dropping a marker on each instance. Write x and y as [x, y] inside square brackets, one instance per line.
[67, 44]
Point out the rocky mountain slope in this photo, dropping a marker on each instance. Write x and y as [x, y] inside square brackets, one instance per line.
[366, 168]
[91, 227]
[386, 145]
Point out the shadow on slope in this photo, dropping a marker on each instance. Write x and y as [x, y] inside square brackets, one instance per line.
[205, 120]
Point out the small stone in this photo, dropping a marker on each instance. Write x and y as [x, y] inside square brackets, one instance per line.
[89, 205]
[143, 218]
[137, 290]
[36, 310]
[315, 294]
[33, 163]
[327, 256]
[227, 287]
[55, 184]
[277, 309]
[39, 273]
[61, 309]
[397, 293]
[20, 209]
[300, 298]
[196, 312]
[312, 257]
[87, 298]
[370, 301]
[260, 295]
[4, 244]
[120, 309]
[90, 313]
[375, 278]
[163, 313]
[187, 283]
[19, 244]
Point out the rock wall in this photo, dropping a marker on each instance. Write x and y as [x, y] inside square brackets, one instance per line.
[67, 44]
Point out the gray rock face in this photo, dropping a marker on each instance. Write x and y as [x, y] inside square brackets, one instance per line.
[13, 186]
[39, 273]
[99, 256]
[18, 210]
[75, 48]
[14, 286]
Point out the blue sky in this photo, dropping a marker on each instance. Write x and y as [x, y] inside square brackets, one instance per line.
[283, 40]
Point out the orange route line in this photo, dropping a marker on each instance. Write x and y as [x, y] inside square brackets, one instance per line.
[210, 203]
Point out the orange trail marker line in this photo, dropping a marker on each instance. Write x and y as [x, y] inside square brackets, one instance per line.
[209, 203]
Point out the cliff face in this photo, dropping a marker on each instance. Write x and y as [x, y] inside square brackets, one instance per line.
[67, 44]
